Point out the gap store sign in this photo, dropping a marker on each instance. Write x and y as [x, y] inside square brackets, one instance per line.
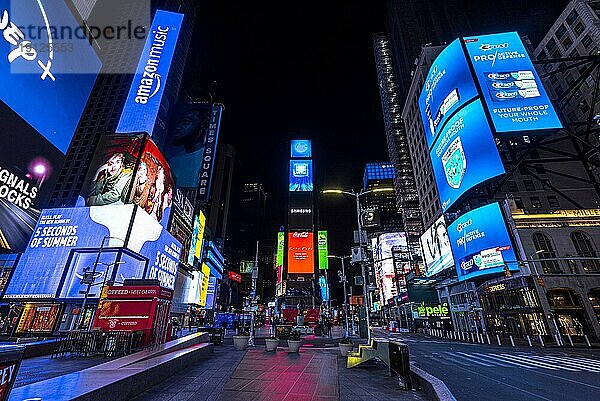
[481, 244]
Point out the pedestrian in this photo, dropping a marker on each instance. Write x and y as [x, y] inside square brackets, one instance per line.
[273, 326]
[329, 325]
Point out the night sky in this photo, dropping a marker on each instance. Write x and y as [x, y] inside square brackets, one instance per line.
[305, 72]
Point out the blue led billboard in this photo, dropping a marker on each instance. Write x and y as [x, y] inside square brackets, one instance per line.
[481, 244]
[148, 86]
[65, 241]
[301, 148]
[449, 85]
[301, 175]
[512, 89]
[324, 287]
[46, 86]
[464, 155]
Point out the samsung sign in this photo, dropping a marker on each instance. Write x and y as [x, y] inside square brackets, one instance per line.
[481, 244]
[511, 87]
[145, 95]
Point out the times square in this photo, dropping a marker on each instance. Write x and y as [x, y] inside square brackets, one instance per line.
[389, 200]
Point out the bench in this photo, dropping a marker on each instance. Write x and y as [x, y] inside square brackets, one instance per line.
[393, 353]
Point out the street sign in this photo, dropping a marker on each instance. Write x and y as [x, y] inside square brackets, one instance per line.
[358, 254]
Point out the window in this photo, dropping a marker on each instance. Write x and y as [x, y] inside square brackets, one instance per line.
[545, 250]
[512, 186]
[529, 186]
[586, 41]
[546, 185]
[567, 42]
[579, 28]
[572, 17]
[536, 203]
[563, 298]
[519, 203]
[553, 202]
[560, 32]
[551, 45]
[585, 249]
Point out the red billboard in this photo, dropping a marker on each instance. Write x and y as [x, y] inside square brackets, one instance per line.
[301, 252]
[234, 276]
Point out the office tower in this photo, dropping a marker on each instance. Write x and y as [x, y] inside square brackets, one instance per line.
[107, 100]
[407, 200]
[219, 207]
[377, 176]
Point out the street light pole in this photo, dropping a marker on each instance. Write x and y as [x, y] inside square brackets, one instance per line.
[362, 266]
[341, 258]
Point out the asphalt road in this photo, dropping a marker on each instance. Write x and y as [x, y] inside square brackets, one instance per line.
[484, 372]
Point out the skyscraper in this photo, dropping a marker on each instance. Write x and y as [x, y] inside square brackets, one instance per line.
[407, 200]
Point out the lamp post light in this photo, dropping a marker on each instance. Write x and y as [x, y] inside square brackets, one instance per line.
[89, 283]
[341, 258]
[357, 196]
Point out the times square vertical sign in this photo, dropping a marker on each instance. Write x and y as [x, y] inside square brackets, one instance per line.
[208, 158]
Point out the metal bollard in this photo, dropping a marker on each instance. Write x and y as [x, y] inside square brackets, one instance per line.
[529, 340]
[512, 341]
[482, 340]
[541, 340]
[498, 338]
[488, 338]
[570, 340]
[557, 339]
[587, 340]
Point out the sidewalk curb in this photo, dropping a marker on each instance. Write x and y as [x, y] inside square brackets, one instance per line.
[434, 388]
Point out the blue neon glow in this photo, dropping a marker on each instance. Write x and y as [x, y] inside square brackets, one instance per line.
[324, 288]
[301, 148]
[51, 101]
[512, 89]
[448, 86]
[301, 175]
[464, 155]
[146, 92]
[67, 240]
[481, 244]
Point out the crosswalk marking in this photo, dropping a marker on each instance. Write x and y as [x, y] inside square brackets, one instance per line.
[519, 360]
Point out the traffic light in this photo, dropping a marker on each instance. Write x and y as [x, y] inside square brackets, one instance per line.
[541, 281]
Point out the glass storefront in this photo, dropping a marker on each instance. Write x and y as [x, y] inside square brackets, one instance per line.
[594, 297]
[570, 314]
[38, 318]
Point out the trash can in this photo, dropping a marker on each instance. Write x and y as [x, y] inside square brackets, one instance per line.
[10, 361]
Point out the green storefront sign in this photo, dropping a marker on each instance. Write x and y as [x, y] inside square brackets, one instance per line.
[280, 247]
[323, 250]
[438, 310]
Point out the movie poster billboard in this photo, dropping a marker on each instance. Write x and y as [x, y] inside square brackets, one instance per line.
[130, 169]
[481, 244]
[42, 97]
[185, 143]
[301, 253]
[384, 249]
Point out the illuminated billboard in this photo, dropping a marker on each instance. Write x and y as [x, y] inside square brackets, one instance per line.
[481, 244]
[515, 96]
[324, 287]
[301, 148]
[42, 97]
[185, 143]
[205, 276]
[197, 242]
[464, 155]
[435, 245]
[301, 176]
[65, 241]
[146, 92]
[48, 89]
[384, 248]
[448, 86]
[280, 247]
[211, 292]
[209, 154]
[323, 250]
[130, 169]
[301, 253]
